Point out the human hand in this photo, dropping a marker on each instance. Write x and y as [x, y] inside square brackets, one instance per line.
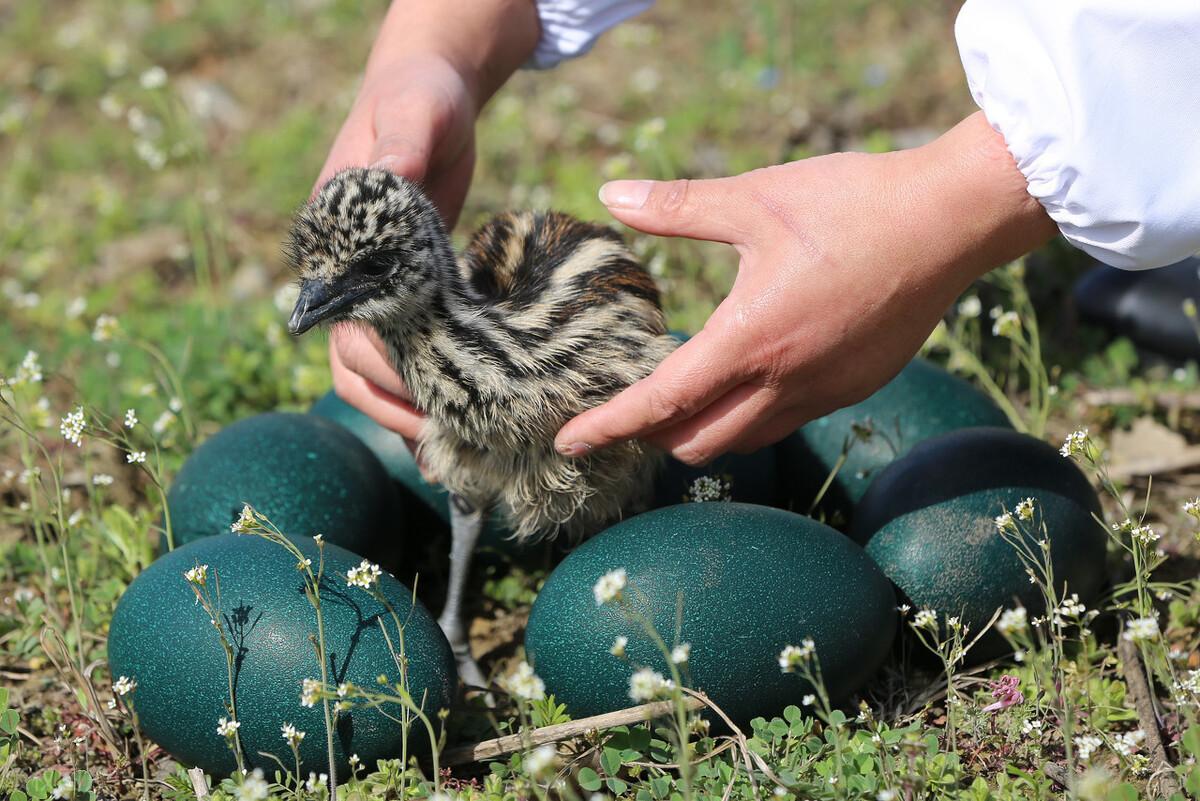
[417, 120]
[433, 66]
[847, 263]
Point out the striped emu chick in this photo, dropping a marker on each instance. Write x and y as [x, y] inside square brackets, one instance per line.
[542, 317]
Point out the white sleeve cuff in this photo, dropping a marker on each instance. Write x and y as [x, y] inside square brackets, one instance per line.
[1098, 101]
[571, 27]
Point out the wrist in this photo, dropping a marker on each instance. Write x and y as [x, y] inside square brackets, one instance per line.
[978, 200]
[484, 41]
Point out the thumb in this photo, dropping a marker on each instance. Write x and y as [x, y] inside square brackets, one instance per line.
[406, 155]
[715, 209]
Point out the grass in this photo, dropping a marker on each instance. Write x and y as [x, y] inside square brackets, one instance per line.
[160, 204]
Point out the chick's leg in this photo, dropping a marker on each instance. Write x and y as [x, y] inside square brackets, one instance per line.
[466, 524]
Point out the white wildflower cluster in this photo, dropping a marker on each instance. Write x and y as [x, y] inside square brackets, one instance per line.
[647, 684]
[1012, 620]
[131, 418]
[1007, 325]
[681, 653]
[1141, 629]
[291, 734]
[227, 727]
[618, 646]
[124, 685]
[309, 690]
[523, 683]
[1129, 742]
[153, 78]
[970, 307]
[1189, 683]
[29, 371]
[1032, 726]
[245, 522]
[609, 587]
[925, 619]
[102, 480]
[365, 575]
[1086, 745]
[540, 761]
[1004, 522]
[72, 427]
[106, 328]
[253, 787]
[135, 457]
[197, 575]
[709, 488]
[808, 700]
[1025, 509]
[315, 782]
[1192, 508]
[1075, 443]
[792, 656]
[1137, 532]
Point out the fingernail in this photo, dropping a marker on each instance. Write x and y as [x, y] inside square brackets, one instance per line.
[625, 194]
[574, 449]
[389, 163]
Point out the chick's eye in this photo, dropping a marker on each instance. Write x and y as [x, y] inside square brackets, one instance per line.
[377, 263]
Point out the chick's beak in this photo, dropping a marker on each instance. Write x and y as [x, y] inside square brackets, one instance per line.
[319, 300]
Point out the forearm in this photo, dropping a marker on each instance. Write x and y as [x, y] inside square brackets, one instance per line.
[484, 40]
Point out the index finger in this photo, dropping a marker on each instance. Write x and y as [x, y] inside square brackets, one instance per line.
[684, 384]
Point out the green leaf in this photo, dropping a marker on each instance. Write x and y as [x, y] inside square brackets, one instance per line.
[616, 786]
[589, 780]
[661, 786]
[610, 760]
[1123, 792]
[3, 697]
[83, 781]
[1191, 741]
[9, 720]
[1193, 782]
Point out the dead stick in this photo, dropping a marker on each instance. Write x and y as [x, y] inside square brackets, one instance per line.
[1185, 459]
[1128, 397]
[1057, 774]
[512, 743]
[200, 786]
[1139, 690]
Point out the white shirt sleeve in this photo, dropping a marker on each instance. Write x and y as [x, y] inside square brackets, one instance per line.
[1099, 103]
[571, 27]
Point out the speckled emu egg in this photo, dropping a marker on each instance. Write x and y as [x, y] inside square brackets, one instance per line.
[923, 401]
[307, 475]
[163, 639]
[748, 580]
[928, 520]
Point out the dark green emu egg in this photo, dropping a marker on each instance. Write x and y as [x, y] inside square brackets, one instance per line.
[163, 639]
[929, 521]
[923, 401]
[745, 581]
[307, 475]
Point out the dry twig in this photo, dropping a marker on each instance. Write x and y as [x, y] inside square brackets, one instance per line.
[1139, 692]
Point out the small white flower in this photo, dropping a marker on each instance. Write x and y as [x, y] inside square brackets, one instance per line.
[1032, 726]
[886, 795]
[153, 78]
[1126, 744]
[106, 328]
[365, 575]
[135, 457]
[72, 426]
[319, 539]
[315, 782]
[124, 686]
[131, 418]
[1005, 522]
[523, 683]
[903, 609]
[1142, 628]
[646, 684]
[355, 761]
[792, 656]
[29, 371]
[681, 653]
[163, 422]
[227, 727]
[291, 734]
[344, 689]
[618, 646]
[808, 700]
[1025, 509]
[1192, 507]
[1007, 325]
[970, 306]
[245, 521]
[1075, 443]
[1087, 744]
[709, 488]
[309, 689]
[102, 480]
[197, 575]
[1012, 620]
[925, 619]
[253, 787]
[175, 405]
[540, 760]
[610, 586]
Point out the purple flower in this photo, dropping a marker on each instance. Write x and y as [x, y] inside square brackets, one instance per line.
[1006, 691]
